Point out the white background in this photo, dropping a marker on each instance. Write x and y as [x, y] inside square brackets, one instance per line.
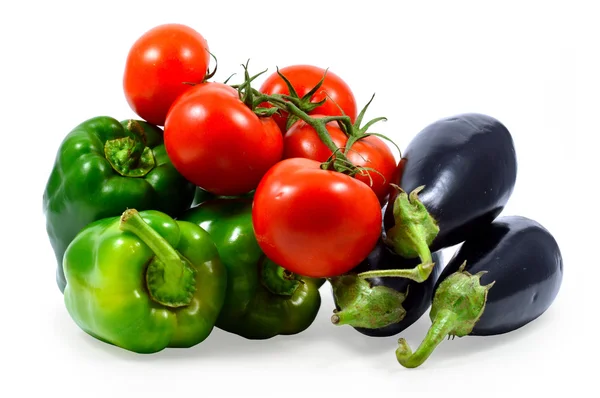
[534, 66]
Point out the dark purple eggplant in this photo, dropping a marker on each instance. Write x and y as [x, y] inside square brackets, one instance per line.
[456, 177]
[498, 281]
[385, 306]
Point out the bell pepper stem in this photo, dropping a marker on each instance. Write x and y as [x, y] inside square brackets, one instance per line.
[169, 277]
[132, 221]
[129, 156]
[277, 280]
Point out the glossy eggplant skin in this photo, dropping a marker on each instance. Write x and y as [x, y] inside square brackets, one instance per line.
[468, 166]
[419, 295]
[524, 260]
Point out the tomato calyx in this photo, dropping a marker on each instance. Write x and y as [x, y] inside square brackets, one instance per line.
[338, 160]
[256, 100]
[248, 95]
[343, 165]
[298, 109]
[303, 103]
[357, 132]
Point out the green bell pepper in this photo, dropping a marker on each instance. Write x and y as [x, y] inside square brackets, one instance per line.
[144, 282]
[262, 300]
[103, 167]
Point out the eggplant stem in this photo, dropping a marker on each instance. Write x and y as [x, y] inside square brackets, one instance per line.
[443, 325]
[458, 304]
[418, 274]
[413, 232]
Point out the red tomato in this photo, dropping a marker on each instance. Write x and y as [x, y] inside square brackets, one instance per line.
[159, 64]
[314, 222]
[204, 88]
[301, 140]
[303, 79]
[216, 142]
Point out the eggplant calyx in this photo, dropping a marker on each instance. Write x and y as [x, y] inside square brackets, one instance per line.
[413, 232]
[458, 304]
[365, 306]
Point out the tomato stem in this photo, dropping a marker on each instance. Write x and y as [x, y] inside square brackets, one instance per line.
[209, 75]
[357, 132]
[305, 103]
[246, 92]
[319, 124]
[299, 108]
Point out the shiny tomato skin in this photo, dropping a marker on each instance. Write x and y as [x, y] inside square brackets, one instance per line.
[158, 65]
[216, 142]
[205, 87]
[301, 140]
[303, 79]
[314, 222]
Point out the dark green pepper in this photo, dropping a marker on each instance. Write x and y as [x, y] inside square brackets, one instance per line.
[263, 300]
[144, 282]
[103, 167]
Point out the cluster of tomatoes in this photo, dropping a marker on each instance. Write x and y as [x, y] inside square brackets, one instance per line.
[318, 178]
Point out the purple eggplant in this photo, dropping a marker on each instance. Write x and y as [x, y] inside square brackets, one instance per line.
[456, 177]
[499, 280]
[382, 306]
